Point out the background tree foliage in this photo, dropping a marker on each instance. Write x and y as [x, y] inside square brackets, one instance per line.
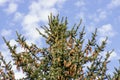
[65, 58]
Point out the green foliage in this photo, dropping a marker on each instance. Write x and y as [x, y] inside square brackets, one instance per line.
[65, 58]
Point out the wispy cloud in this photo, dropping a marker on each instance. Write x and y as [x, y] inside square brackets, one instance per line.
[12, 7]
[113, 4]
[99, 15]
[106, 30]
[81, 15]
[6, 32]
[2, 2]
[80, 3]
[113, 55]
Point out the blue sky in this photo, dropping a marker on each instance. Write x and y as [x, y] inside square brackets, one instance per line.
[26, 15]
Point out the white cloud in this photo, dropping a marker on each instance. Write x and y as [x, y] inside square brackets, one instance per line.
[2, 2]
[12, 7]
[103, 32]
[6, 32]
[7, 56]
[19, 75]
[29, 19]
[44, 4]
[101, 39]
[113, 55]
[90, 29]
[31, 33]
[81, 15]
[5, 52]
[99, 15]
[103, 15]
[60, 3]
[38, 12]
[113, 4]
[106, 30]
[80, 3]
[19, 48]
[13, 42]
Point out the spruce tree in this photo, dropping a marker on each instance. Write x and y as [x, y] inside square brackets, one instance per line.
[65, 58]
